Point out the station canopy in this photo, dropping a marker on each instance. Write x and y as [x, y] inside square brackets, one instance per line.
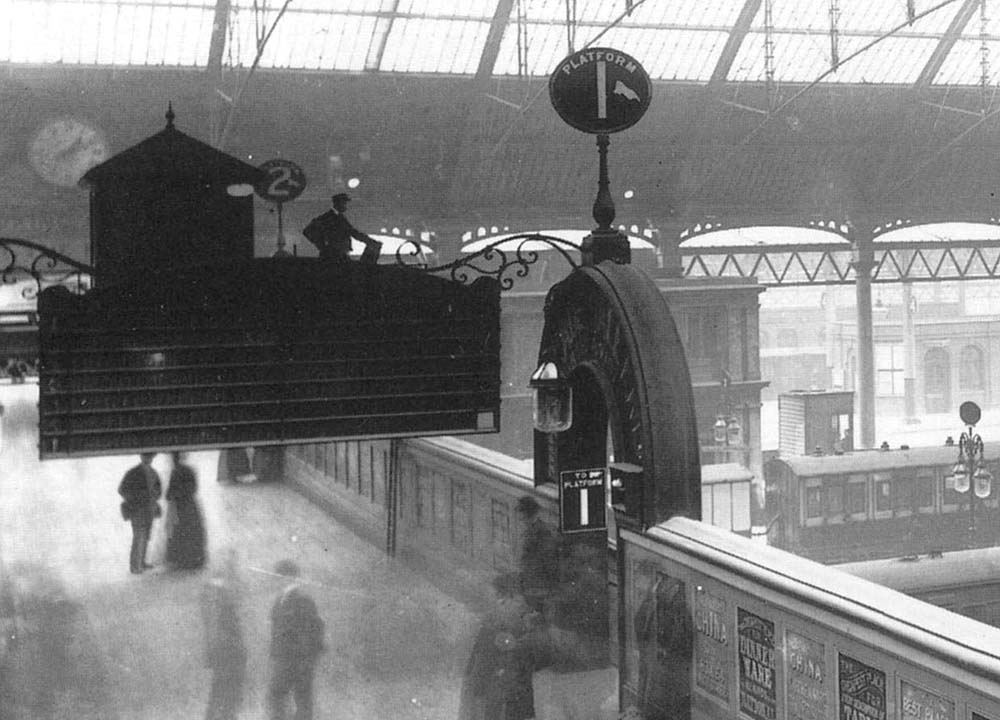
[945, 42]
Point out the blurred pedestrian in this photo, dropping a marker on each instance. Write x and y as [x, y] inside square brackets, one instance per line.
[186, 532]
[296, 643]
[225, 650]
[141, 489]
[539, 556]
[497, 683]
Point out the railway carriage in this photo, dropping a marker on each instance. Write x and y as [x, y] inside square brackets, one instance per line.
[875, 504]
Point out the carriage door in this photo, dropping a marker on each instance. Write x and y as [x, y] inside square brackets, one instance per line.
[937, 380]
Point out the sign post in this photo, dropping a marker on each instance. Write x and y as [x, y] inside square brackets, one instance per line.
[281, 181]
[601, 91]
[582, 501]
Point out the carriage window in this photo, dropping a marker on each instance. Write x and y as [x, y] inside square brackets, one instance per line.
[883, 495]
[903, 491]
[834, 500]
[993, 500]
[924, 499]
[951, 500]
[857, 497]
[814, 502]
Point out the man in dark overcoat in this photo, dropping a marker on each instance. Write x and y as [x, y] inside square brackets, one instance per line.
[140, 489]
[296, 643]
[539, 556]
[331, 233]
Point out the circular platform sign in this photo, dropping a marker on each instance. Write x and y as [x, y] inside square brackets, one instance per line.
[969, 412]
[600, 90]
[280, 181]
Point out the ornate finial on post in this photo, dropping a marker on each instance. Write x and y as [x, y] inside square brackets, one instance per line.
[604, 243]
[170, 114]
[604, 205]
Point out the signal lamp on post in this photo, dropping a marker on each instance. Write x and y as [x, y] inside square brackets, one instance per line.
[970, 474]
[552, 399]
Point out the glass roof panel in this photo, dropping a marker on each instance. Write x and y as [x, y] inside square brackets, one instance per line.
[803, 58]
[457, 47]
[482, 9]
[665, 54]
[547, 45]
[675, 39]
[894, 60]
[855, 16]
[963, 64]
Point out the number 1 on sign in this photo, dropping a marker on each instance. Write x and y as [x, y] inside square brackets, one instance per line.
[584, 507]
[602, 90]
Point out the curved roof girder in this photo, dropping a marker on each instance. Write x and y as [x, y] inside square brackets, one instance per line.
[946, 43]
[491, 48]
[736, 37]
[383, 27]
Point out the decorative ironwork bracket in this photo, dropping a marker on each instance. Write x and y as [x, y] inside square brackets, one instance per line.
[23, 260]
[503, 264]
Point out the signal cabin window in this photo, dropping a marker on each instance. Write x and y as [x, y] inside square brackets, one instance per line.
[814, 501]
[925, 499]
[834, 500]
[857, 497]
[882, 486]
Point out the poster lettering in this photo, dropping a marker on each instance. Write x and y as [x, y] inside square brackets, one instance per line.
[756, 666]
[805, 677]
[862, 690]
[920, 704]
[712, 642]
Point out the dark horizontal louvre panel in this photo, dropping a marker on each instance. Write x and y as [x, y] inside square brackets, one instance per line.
[412, 355]
[264, 433]
[316, 389]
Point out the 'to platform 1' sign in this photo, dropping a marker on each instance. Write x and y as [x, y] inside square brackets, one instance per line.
[582, 501]
[600, 90]
[280, 181]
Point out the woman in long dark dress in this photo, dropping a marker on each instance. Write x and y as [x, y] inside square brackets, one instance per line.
[186, 540]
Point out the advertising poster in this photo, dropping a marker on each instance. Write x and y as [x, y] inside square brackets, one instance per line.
[805, 677]
[756, 659]
[862, 690]
[920, 704]
[712, 645]
[664, 639]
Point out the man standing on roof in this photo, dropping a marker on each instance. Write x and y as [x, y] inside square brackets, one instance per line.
[331, 233]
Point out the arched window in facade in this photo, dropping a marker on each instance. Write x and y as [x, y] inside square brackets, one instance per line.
[937, 380]
[971, 374]
[787, 337]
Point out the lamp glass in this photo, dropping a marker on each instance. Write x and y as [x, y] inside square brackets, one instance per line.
[983, 482]
[961, 475]
[553, 407]
[734, 433]
[719, 430]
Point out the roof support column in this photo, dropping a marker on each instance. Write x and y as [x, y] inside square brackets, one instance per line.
[213, 71]
[864, 262]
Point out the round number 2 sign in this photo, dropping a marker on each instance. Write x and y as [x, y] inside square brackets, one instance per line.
[280, 181]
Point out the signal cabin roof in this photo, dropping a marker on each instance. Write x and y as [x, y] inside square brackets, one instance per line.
[171, 154]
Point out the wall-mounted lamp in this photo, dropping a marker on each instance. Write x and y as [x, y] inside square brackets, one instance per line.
[727, 431]
[552, 399]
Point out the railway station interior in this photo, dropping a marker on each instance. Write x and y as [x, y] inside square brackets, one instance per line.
[649, 378]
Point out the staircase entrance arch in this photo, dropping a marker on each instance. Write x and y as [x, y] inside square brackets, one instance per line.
[609, 329]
